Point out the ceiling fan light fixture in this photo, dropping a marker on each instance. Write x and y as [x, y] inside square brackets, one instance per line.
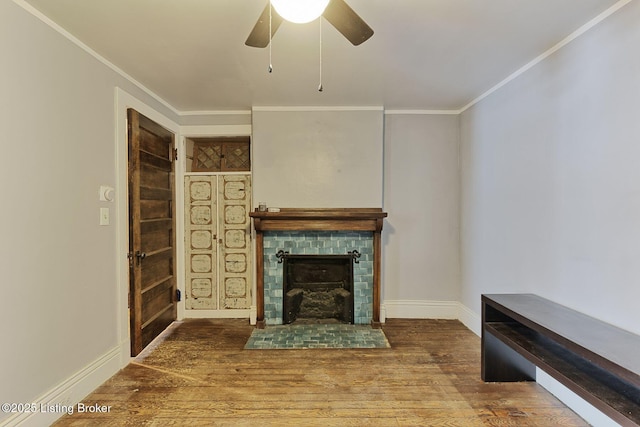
[300, 11]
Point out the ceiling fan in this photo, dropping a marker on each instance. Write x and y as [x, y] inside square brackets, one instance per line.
[337, 12]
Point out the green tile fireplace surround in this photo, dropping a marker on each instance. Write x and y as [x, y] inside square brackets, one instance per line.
[319, 232]
[318, 243]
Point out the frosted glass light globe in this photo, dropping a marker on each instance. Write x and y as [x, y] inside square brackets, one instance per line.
[300, 11]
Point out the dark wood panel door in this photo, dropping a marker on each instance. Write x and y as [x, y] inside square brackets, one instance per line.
[152, 293]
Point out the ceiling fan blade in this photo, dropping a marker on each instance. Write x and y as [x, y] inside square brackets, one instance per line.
[347, 22]
[259, 36]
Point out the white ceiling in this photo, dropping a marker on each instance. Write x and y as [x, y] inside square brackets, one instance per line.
[425, 54]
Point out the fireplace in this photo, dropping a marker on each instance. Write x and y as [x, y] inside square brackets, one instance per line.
[317, 288]
[318, 232]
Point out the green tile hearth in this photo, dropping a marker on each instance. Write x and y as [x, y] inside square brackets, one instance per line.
[316, 336]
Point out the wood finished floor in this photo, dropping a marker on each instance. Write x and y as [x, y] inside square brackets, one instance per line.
[200, 375]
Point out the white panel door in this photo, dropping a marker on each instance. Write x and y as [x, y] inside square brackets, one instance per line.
[217, 242]
[235, 245]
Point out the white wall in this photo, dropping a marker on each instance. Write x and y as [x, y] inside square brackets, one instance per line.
[318, 159]
[421, 194]
[550, 190]
[59, 295]
[551, 179]
[323, 158]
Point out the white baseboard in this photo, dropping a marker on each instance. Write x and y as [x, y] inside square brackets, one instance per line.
[383, 313]
[577, 404]
[415, 309]
[64, 397]
[588, 412]
[217, 314]
[253, 315]
[470, 319]
[425, 309]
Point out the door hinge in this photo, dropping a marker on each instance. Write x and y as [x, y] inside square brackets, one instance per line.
[178, 295]
[175, 154]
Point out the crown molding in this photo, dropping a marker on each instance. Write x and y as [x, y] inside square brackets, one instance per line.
[317, 108]
[422, 112]
[36, 13]
[577, 33]
[571, 37]
[216, 113]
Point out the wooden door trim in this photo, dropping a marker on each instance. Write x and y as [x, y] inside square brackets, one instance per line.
[210, 131]
[124, 101]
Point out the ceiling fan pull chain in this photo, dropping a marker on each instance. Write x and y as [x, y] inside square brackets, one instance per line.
[320, 88]
[270, 37]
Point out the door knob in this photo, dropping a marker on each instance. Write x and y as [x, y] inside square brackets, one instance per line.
[140, 255]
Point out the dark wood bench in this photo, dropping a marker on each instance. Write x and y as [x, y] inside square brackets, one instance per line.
[597, 361]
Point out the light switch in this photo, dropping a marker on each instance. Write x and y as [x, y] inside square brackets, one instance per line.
[104, 216]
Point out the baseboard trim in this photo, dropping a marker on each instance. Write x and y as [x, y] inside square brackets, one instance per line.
[588, 412]
[584, 409]
[217, 314]
[253, 315]
[416, 309]
[64, 397]
[470, 319]
[426, 309]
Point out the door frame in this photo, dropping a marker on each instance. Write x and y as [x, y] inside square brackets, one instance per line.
[124, 101]
[212, 131]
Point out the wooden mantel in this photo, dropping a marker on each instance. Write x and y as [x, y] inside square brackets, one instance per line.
[364, 219]
[317, 219]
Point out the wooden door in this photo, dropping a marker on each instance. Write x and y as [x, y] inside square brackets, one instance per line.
[217, 241]
[235, 243]
[152, 293]
[201, 242]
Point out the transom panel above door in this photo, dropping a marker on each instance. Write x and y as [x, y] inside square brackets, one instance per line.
[228, 154]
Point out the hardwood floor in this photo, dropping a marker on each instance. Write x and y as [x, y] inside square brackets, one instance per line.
[200, 375]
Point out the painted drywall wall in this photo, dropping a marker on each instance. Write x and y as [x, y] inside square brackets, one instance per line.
[213, 118]
[421, 195]
[59, 307]
[547, 207]
[550, 179]
[322, 158]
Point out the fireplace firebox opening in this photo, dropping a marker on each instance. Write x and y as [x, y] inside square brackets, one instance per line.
[317, 288]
